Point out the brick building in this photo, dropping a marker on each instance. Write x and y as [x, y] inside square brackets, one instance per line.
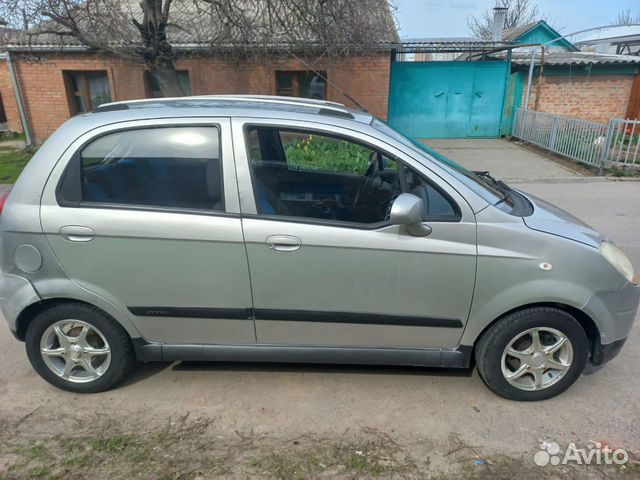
[594, 87]
[57, 77]
[56, 85]
[591, 86]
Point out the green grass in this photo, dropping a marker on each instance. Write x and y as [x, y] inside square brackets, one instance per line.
[621, 171]
[12, 162]
[115, 443]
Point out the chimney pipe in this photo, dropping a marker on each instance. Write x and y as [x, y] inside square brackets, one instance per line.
[498, 23]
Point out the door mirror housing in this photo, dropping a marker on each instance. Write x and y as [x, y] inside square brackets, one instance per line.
[407, 210]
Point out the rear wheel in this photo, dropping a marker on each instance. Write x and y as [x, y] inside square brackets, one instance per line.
[533, 354]
[79, 348]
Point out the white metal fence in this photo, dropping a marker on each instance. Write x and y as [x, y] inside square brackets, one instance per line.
[623, 142]
[596, 144]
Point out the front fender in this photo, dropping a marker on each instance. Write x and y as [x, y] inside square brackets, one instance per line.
[518, 266]
[486, 310]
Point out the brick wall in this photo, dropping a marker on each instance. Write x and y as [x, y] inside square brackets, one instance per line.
[597, 98]
[47, 106]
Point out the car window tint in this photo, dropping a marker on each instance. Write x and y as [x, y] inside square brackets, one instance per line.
[177, 167]
[307, 175]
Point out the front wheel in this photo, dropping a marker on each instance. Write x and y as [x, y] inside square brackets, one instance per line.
[533, 354]
[79, 348]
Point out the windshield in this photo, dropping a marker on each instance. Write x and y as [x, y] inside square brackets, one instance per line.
[479, 184]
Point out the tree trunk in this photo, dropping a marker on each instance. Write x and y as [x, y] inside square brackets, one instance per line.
[157, 52]
[168, 81]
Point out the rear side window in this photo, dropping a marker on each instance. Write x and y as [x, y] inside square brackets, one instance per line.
[176, 167]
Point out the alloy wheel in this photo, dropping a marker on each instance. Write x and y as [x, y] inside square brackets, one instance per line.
[75, 351]
[537, 358]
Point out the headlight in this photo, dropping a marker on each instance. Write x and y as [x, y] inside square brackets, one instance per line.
[619, 260]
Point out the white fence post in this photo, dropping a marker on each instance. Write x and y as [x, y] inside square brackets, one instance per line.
[554, 133]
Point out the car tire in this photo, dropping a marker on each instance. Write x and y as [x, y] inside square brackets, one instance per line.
[79, 348]
[517, 367]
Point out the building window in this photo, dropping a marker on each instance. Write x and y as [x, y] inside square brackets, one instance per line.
[87, 90]
[301, 84]
[153, 89]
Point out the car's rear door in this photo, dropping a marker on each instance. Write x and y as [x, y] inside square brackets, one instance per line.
[146, 215]
[327, 268]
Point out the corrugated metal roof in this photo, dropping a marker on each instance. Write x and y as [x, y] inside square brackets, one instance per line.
[450, 45]
[571, 58]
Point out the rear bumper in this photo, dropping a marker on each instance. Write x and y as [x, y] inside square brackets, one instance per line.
[16, 293]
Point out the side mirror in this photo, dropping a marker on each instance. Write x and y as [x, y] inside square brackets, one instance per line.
[407, 209]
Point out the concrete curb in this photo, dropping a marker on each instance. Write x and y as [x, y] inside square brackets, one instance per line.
[622, 179]
[556, 180]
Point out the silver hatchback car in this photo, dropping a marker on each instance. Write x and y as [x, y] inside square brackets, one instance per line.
[282, 230]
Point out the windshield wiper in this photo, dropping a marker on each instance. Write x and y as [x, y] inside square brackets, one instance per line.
[497, 184]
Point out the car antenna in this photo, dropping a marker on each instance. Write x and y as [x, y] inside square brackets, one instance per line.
[357, 103]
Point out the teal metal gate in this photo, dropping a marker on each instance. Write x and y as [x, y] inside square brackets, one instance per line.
[448, 99]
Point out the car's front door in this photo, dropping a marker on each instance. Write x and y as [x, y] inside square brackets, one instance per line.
[147, 216]
[327, 268]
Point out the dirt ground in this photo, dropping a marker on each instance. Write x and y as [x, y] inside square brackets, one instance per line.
[233, 420]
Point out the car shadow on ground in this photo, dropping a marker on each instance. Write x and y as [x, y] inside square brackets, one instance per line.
[322, 368]
[142, 371]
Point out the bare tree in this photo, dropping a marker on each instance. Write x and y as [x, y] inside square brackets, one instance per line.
[150, 31]
[520, 12]
[626, 17]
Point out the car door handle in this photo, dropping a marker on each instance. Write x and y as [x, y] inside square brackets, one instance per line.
[77, 233]
[283, 243]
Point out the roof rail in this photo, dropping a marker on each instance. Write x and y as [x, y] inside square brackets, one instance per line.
[280, 98]
[273, 99]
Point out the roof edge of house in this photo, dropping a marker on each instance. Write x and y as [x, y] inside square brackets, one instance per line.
[185, 47]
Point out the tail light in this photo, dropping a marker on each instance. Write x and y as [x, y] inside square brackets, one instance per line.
[3, 200]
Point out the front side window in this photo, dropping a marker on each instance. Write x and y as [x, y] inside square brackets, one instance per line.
[87, 90]
[309, 175]
[176, 167]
